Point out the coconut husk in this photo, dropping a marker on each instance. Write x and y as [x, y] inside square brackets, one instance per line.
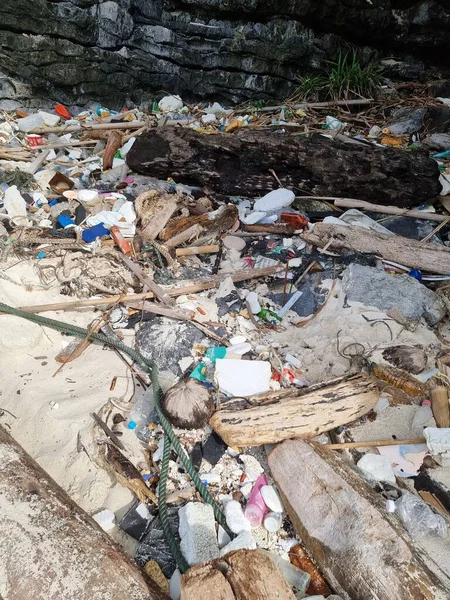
[188, 404]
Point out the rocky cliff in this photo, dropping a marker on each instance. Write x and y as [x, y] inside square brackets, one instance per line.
[76, 51]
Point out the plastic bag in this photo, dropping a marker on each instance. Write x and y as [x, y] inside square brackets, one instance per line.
[418, 518]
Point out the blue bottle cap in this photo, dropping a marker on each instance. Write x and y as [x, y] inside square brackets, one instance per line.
[132, 425]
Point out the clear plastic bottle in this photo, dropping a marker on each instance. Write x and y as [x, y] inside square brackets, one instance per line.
[142, 410]
[294, 576]
[422, 417]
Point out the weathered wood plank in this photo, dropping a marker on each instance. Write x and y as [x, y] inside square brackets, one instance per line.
[51, 549]
[434, 258]
[361, 550]
[298, 417]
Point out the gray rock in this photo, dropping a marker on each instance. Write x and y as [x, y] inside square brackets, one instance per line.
[410, 121]
[167, 342]
[374, 287]
[125, 51]
[437, 142]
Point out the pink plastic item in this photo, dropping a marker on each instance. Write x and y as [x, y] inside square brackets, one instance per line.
[256, 508]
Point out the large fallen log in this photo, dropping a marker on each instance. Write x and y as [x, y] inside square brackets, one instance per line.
[239, 163]
[434, 258]
[299, 416]
[51, 549]
[361, 549]
[239, 575]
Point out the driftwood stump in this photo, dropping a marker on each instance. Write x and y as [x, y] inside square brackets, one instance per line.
[51, 549]
[358, 546]
[297, 417]
[239, 163]
[239, 575]
[434, 258]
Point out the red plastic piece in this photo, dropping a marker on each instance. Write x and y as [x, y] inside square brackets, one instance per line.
[296, 221]
[62, 111]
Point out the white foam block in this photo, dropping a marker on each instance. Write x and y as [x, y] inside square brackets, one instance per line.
[243, 377]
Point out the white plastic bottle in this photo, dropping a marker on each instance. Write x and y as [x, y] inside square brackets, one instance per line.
[142, 410]
[422, 417]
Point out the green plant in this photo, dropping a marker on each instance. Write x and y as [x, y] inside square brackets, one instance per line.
[312, 87]
[258, 103]
[345, 78]
[348, 78]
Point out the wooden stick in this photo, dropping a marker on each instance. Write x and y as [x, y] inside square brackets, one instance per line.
[436, 230]
[206, 284]
[379, 208]
[67, 144]
[373, 444]
[37, 162]
[184, 236]
[87, 127]
[355, 102]
[152, 286]
[172, 313]
[197, 250]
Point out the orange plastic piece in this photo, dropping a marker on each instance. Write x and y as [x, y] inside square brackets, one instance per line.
[296, 221]
[62, 111]
[21, 113]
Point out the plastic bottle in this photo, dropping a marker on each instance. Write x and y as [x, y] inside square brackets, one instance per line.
[423, 415]
[120, 241]
[256, 508]
[418, 518]
[273, 522]
[294, 576]
[142, 410]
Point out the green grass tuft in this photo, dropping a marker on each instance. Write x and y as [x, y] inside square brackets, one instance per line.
[345, 78]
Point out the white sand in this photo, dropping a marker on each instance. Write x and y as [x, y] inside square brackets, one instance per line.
[27, 356]
[315, 344]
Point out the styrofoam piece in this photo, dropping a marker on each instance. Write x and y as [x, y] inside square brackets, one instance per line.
[170, 104]
[252, 299]
[235, 517]
[197, 530]
[275, 200]
[30, 122]
[377, 468]
[244, 541]
[243, 377]
[49, 119]
[222, 537]
[88, 196]
[438, 439]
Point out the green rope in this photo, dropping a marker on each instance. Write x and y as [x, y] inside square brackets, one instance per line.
[150, 367]
[164, 517]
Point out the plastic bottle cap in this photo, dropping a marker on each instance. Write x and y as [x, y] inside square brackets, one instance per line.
[132, 425]
[426, 403]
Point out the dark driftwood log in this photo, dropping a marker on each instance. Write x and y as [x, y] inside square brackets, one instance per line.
[434, 258]
[239, 575]
[51, 549]
[239, 163]
[299, 416]
[357, 545]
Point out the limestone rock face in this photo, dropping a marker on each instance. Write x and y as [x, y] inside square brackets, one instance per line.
[76, 51]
